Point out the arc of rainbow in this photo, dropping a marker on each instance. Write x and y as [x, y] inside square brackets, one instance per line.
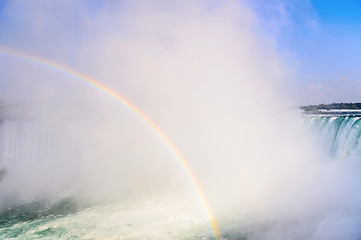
[126, 103]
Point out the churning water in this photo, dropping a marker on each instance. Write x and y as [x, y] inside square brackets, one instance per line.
[32, 208]
[212, 77]
[26, 147]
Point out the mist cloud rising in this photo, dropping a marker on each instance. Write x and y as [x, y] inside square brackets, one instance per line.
[208, 76]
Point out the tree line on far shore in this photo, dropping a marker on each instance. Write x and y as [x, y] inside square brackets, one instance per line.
[352, 106]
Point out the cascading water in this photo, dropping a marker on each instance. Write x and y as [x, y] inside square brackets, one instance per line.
[23, 143]
[157, 216]
[35, 209]
[210, 76]
[33, 143]
[340, 135]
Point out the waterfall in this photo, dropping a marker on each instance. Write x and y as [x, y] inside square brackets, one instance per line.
[22, 142]
[35, 158]
[339, 134]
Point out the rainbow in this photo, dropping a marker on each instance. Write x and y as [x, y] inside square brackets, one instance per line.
[43, 62]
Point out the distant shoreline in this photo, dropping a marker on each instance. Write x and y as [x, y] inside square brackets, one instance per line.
[332, 107]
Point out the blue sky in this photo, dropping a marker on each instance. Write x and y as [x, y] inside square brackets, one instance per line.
[324, 38]
[320, 40]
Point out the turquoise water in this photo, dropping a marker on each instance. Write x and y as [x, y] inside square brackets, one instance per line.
[41, 197]
[30, 220]
[339, 134]
[152, 216]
